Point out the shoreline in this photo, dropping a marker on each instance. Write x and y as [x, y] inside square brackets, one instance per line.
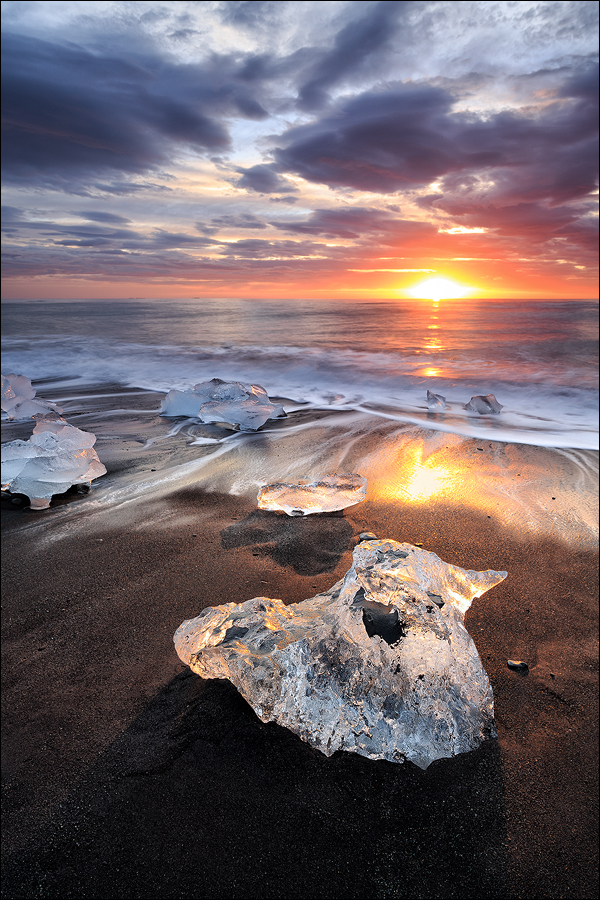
[126, 775]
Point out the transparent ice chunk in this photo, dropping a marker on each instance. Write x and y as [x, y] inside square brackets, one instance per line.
[326, 494]
[484, 404]
[56, 456]
[15, 389]
[435, 401]
[243, 406]
[373, 666]
[17, 398]
[181, 403]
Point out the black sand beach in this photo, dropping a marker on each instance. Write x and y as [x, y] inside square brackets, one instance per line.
[125, 775]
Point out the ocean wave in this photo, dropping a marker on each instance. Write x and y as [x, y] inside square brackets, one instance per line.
[545, 403]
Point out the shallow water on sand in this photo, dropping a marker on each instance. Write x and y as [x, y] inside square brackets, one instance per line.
[532, 491]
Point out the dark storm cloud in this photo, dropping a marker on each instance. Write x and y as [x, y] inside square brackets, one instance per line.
[407, 137]
[70, 115]
[355, 42]
[264, 180]
[380, 142]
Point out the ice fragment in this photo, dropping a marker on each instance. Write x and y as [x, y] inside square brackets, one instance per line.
[372, 666]
[242, 406]
[301, 498]
[17, 399]
[56, 456]
[435, 401]
[484, 405]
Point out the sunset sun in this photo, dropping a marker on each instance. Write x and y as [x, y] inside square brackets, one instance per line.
[439, 289]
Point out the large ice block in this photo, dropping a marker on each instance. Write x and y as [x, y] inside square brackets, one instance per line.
[55, 457]
[326, 494]
[381, 664]
[242, 406]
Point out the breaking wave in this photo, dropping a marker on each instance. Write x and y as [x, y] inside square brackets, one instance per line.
[545, 403]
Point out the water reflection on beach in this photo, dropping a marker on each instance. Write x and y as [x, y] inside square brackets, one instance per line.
[531, 490]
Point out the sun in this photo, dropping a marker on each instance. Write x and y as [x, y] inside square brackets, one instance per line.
[439, 289]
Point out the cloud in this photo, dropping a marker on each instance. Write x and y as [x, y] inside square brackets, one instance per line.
[71, 115]
[249, 13]
[259, 249]
[127, 187]
[352, 223]
[347, 223]
[361, 38]
[405, 138]
[378, 141]
[237, 220]
[264, 180]
[99, 216]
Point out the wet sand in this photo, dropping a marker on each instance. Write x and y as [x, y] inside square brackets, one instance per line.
[124, 775]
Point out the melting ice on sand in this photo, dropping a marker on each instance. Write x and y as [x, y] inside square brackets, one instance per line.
[17, 399]
[243, 406]
[381, 664]
[56, 456]
[301, 498]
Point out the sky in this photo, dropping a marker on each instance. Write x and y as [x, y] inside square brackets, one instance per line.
[276, 149]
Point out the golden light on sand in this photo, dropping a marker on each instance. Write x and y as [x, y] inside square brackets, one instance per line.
[437, 289]
[419, 480]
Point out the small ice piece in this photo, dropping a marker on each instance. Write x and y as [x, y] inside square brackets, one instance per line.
[435, 401]
[241, 406]
[484, 405]
[17, 398]
[373, 666]
[56, 456]
[301, 498]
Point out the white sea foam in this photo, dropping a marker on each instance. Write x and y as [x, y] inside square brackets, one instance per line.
[545, 404]
[538, 359]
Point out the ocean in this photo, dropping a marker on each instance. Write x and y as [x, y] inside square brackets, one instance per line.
[539, 359]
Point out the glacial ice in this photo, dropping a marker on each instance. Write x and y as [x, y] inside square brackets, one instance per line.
[243, 406]
[56, 456]
[381, 664]
[484, 405]
[17, 399]
[301, 498]
[435, 401]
